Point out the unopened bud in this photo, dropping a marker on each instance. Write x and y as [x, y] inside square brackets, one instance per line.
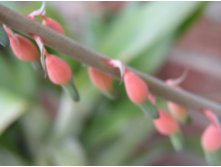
[211, 138]
[51, 23]
[59, 72]
[136, 88]
[166, 124]
[23, 48]
[101, 81]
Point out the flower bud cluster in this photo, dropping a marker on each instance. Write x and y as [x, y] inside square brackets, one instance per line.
[58, 71]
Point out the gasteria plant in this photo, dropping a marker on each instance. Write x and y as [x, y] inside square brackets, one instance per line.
[60, 73]
[58, 70]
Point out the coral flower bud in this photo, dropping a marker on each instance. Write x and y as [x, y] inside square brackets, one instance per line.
[211, 138]
[178, 112]
[101, 81]
[166, 124]
[59, 72]
[51, 23]
[23, 48]
[136, 88]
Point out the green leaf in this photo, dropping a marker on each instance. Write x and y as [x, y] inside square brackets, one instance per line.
[67, 152]
[11, 108]
[152, 58]
[8, 158]
[139, 30]
[133, 133]
[35, 124]
[3, 37]
[108, 123]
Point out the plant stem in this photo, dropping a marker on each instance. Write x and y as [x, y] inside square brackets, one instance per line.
[90, 57]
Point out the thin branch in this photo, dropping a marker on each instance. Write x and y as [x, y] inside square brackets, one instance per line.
[90, 57]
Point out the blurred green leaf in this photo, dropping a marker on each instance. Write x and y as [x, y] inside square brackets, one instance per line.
[11, 108]
[139, 30]
[152, 58]
[67, 152]
[36, 124]
[150, 153]
[19, 76]
[135, 131]
[11, 5]
[4, 41]
[108, 123]
[8, 158]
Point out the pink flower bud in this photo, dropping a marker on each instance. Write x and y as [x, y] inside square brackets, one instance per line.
[22, 48]
[51, 23]
[178, 112]
[211, 138]
[100, 80]
[166, 124]
[136, 88]
[59, 72]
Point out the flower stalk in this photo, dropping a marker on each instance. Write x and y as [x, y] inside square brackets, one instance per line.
[87, 56]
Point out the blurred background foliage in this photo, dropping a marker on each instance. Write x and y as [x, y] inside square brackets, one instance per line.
[41, 125]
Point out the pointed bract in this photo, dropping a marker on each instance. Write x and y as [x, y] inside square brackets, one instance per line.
[39, 12]
[118, 64]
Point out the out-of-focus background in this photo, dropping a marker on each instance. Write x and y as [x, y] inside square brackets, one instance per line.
[41, 125]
